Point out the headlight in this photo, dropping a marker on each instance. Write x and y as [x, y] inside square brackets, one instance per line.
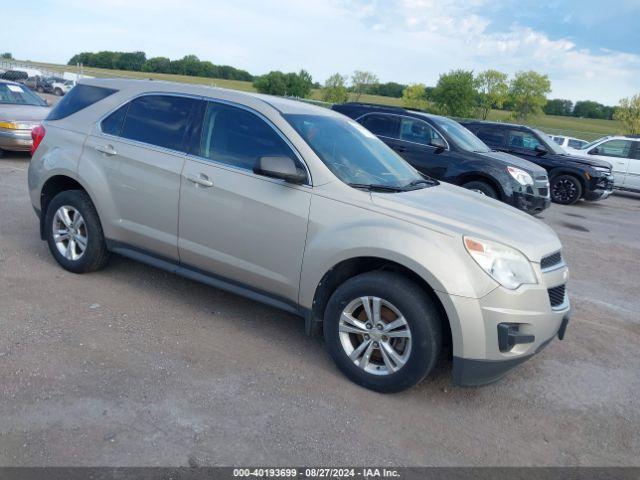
[522, 177]
[505, 265]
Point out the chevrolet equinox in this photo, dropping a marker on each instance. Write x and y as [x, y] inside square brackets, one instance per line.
[304, 209]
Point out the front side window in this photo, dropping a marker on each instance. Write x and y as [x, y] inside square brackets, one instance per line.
[525, 140]
[383, 125]
[614, 148]
[18, 95]
[237, 137]
[352, 153]
[417, 131]
[78, 98]
[159, 120]
[460, 135]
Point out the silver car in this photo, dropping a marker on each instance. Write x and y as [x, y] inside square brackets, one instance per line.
[301, 208]
[20, 111]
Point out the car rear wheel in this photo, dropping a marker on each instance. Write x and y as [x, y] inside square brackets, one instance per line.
[74, 233]
[565, 189]
[382, 331]
[481, 187]
[58, 92]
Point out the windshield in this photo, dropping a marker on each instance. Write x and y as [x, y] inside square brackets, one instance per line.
[19, 95]
[589, 145]
[352, 153]
[460, 136]
[549, 143]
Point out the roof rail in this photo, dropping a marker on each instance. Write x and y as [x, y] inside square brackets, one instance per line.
[632, 136]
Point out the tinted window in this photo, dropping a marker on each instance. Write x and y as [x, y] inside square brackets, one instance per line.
[491, 137]
[636, 153]
[158, 120]
[113, 123]
[615, 148]
[526, 140]
[577, 144]
[79, 97]
[384, 125]
[558, 140]
[237, 137]
[460, 135]
[417, 131]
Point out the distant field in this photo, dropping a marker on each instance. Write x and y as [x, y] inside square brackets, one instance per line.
[586, 128]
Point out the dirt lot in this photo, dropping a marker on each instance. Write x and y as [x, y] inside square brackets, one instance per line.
[134, 366]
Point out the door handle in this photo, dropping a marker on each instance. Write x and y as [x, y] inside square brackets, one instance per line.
[201, 179]
[106, 149]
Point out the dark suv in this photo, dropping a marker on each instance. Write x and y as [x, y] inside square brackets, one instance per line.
[572, 177]
[441, 148]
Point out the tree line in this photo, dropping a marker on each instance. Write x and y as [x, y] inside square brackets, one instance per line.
[458, 93]
[138, 62]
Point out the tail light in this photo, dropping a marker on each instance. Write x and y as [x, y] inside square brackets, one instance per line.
[37, 134]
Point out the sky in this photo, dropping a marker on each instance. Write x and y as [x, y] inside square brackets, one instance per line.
[589, 49]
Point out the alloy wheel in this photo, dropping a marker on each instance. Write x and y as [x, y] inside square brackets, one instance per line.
[564, 190]
[70, 233]
[375, 335]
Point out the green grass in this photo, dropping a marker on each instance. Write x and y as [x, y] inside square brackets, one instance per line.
[586, 128]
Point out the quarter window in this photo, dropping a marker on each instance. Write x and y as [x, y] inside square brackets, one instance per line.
[383, 125]
[159, 120]
[614, 148]
[526, 140]
[237, 137]
[417, 131]
[112, 125]
[79, 97]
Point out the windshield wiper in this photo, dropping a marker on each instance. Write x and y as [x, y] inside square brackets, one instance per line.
[376, 187]
[422, 181]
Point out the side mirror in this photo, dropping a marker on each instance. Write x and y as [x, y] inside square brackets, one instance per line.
[540, 149]
[281, 167]
[594, 151]
[438, 143]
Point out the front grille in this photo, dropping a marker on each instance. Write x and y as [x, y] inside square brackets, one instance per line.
[556, 295]
[551, 260]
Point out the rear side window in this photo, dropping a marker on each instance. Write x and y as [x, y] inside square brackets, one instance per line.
[160, 120]
[491, 137]
[237, 137]
[384, 125]
[577, 144]
[79, 97]
[112, 125]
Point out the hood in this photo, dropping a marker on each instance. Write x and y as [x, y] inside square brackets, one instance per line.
[458, 211]
[583, 159]
[518, 162]
[29, 113]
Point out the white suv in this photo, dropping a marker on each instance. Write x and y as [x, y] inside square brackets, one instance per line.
[623, 153]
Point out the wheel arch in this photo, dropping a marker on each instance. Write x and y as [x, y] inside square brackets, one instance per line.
[482, 177]
[349, 268]
[52, 187]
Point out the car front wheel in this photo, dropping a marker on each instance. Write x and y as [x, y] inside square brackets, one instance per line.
[565, 189]
[382, 331]
[74, 233]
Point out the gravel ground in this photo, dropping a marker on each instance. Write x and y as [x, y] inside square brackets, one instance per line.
[132, 366]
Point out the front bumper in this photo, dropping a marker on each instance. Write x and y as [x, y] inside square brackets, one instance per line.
[531, 203]
[478, 325]
[15, 140]
[602, 189]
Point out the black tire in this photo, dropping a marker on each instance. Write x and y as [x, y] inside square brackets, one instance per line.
[420, 314]
[565, 189]
[58, 92]
[95, 255]
[481, 187]
[1, 153]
